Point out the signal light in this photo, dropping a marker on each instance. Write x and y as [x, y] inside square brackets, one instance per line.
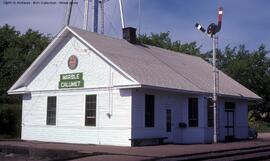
[212, 28]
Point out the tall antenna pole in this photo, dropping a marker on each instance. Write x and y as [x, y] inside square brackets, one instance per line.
[121, 13]
[85, 16]
[68, 13]
[102, 16]
[95, 15]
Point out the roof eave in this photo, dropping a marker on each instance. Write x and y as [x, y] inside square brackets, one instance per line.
[241, 97]
[21, 90]
[172, 89]
[15, 85]
[202, 92]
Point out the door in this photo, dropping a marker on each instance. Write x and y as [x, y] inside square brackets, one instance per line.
[169, 125]
[168, 120]
[230, 121]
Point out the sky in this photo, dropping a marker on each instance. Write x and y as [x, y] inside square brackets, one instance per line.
[244, 21]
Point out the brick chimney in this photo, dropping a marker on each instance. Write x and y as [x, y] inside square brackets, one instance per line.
[129, 34]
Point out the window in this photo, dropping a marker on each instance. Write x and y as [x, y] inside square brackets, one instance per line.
[149, 111]
[193, 112]
[90, 110]
[210, 113]
[51, 110]
[229, 106]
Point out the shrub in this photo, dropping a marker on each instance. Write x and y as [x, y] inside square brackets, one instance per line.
[10, 120]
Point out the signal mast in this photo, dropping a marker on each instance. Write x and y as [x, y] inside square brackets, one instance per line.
[211, 32]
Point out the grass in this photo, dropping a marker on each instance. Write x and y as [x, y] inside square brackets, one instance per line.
[6, 136]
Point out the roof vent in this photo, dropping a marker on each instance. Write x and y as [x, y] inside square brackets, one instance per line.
[129, 34]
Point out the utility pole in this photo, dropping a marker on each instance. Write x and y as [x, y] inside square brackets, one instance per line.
[85, 16]
[68, 12]
[211, 32]
[95, 15]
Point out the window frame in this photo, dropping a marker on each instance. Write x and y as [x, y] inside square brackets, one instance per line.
[51, 110]
[193, 118]
[210, 113]
[88, 104]
[229, 106]
[149, 111]
[168, 120]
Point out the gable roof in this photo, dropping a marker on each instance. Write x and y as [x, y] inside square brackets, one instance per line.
[156, 67]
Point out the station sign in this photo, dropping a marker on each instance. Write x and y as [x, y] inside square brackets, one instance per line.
[72, 80]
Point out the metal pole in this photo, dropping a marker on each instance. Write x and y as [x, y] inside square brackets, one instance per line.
[214, 91]
[95, 15]
[102, 16]
[68, 13]
[85, 16]
[121, 14]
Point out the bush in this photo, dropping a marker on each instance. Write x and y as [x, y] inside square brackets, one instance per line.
[10, 120]
[260, 126]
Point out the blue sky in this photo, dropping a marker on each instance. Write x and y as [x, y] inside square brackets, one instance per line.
[244, 22]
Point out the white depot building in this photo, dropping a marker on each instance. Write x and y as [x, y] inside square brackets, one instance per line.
[93, 89]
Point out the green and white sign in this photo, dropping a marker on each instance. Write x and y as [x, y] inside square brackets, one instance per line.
[72, 80]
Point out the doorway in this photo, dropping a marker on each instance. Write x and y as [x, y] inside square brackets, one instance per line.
[169, 124]
[168, 120]
[230, 121]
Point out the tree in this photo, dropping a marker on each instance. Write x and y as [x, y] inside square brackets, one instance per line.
[250, 69]
[163, 40]
[17, 52]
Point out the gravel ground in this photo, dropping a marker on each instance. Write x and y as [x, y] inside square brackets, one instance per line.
[14, 157]
[102, 152]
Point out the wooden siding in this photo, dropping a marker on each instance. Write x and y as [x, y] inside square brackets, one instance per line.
[99, 78]
[70, 128]
[178, 103]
